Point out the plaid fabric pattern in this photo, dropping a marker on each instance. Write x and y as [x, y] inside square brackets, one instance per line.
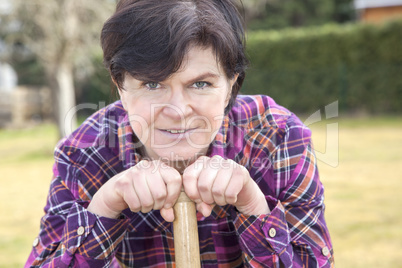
[264, 137]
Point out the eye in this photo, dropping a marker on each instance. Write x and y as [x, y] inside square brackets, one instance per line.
[201, 84]
[152, 85]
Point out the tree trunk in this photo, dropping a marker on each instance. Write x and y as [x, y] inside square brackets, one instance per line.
[65, 97]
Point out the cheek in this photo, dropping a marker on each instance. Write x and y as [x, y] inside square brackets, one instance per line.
[214, 110]
[212, 117]
[140, 121]
[140, 129]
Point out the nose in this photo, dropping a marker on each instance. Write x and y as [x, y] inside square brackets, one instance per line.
[178, 106]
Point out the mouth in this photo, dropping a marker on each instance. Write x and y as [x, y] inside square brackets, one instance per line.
[176, 131]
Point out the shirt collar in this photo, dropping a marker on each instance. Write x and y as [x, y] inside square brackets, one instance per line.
[218, 146]
[129, 150]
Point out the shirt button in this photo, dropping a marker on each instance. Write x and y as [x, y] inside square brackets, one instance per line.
[325, 251]
[35, 242]
[272, 232]
[81, 230]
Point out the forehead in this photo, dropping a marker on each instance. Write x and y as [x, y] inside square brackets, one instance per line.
[201, 59]
[197, 61]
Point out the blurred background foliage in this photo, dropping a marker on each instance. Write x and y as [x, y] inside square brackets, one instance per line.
[275, 14]
[279, 58]
[357, 64]
[55, 43]
[305, 54]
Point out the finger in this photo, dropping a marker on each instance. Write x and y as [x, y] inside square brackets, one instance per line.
[207, 178]
[167, 214]
[190, 178]
[205, 209]
[131, 198]
[142, 190]
[157, 188]
[236, 183]
[125, 189]
[173, 181]
[219, 188]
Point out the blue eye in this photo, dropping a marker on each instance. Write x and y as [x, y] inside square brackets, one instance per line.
[201, 84]
[152, 85]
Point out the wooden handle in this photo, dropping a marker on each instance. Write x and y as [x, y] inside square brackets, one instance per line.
[185, 230]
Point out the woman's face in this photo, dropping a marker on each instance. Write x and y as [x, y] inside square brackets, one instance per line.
[178, 118]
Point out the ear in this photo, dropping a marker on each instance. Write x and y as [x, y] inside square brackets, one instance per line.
[233, 80]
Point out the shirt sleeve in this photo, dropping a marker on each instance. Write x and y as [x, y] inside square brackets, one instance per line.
[71, 236]
[294, 233]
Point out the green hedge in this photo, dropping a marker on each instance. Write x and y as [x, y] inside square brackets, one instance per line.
[360, 65]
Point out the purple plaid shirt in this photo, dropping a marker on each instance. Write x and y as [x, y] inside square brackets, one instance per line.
[257, 133]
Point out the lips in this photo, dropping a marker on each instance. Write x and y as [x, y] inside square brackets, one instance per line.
[176, 131]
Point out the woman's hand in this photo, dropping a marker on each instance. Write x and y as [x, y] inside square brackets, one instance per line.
[146, 186]
[210, 181]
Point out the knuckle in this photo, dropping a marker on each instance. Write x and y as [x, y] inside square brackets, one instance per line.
[230, 162]
[203, 158]
[217, 158]
[217, 162]
[146, 165]
[135, 171]
[201, 161]
[147, 203]
[220, 202]
[143, 163]
[158, 164]
[147, 207]
[191, 194]
[160, 195]
[123, 183]
[173, 179]
[226, 164]
[240, 170]
[189, 177]
[218, 192]
[203, 187]
[135, 208]
[231, 198]
[162, 166]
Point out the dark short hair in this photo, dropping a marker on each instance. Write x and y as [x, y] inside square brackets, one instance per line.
[149, 38]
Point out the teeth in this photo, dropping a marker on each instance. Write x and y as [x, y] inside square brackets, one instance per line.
[175, 131]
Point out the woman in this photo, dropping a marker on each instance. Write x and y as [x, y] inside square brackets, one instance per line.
[246, 162]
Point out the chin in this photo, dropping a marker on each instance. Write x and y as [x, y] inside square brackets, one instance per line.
[180, 154]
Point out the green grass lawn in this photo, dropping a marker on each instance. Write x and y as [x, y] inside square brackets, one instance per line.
[362, 182]
[363, 192]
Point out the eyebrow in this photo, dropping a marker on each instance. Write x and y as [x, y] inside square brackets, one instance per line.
[203, 77]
